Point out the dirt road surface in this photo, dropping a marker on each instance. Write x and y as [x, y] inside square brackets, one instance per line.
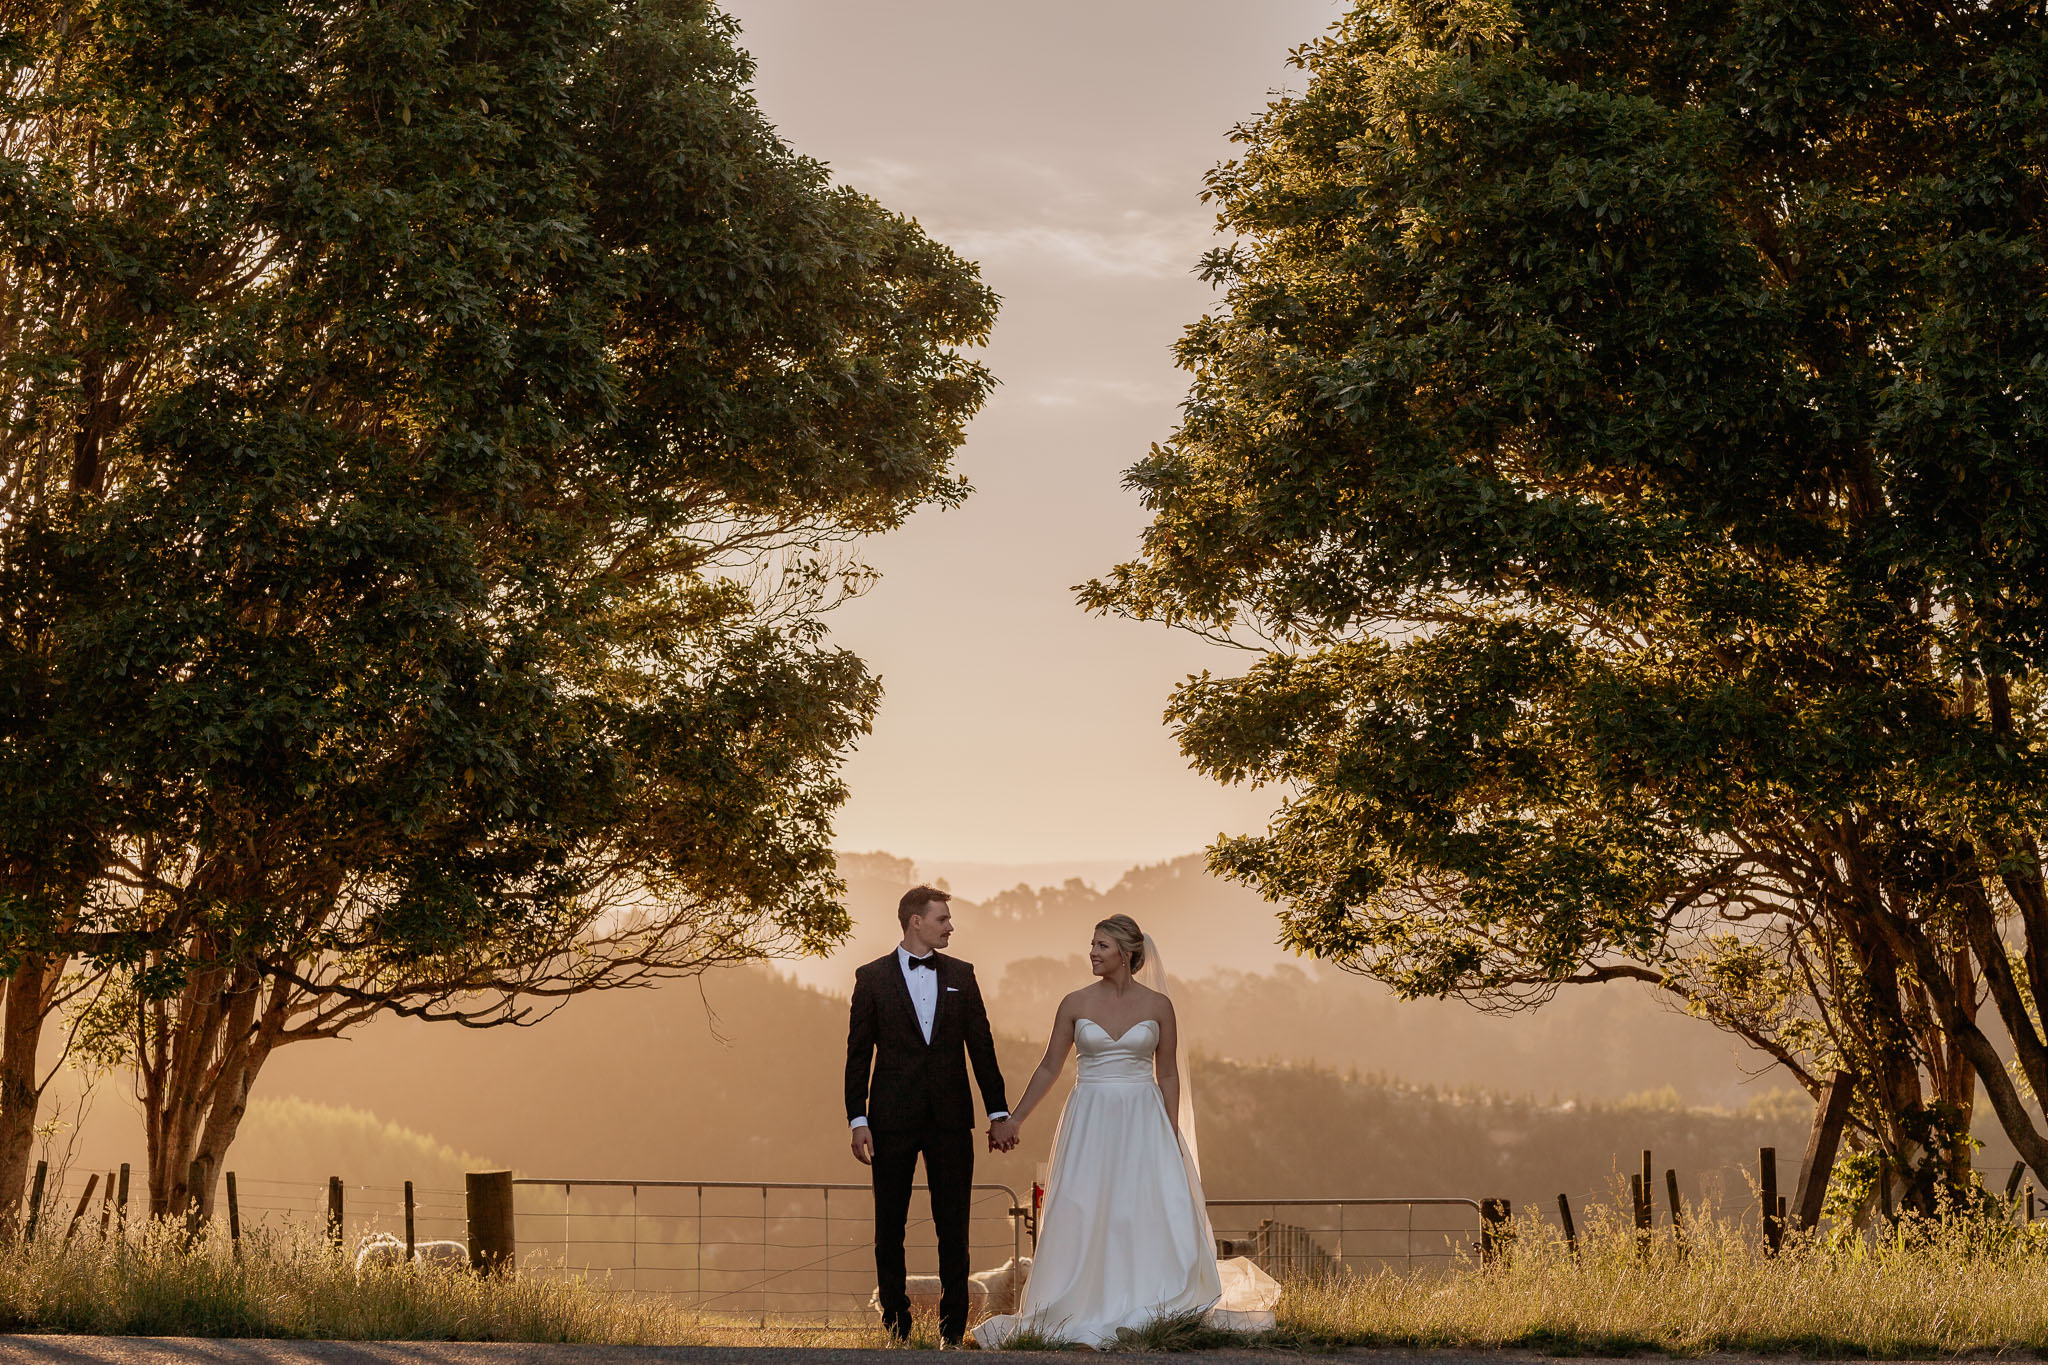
[60, 1350]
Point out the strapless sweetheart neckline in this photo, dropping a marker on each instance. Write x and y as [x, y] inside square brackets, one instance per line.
[1119, 1037]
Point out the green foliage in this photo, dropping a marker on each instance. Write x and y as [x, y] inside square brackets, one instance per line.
[1624, 447]
[431, 434]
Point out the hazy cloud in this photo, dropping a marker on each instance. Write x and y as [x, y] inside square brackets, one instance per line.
[1097, 219]
[1073, 391]
[1149, 249]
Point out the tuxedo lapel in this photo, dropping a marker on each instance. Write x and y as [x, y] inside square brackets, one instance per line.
[944, 971]
[892, 968]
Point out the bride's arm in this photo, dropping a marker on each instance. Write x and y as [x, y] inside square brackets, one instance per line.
[1166, 1061]
[1049, 1067]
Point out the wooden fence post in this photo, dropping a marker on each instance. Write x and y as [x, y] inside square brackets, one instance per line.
[2012, 1182]
[92, 1187]
[487, 1196]
[1571, 1233]
[409, 1243]
[1677, 1211]
[122, 1210]
[1830, 1116]
[1494, 1233]
[234, 1217]
[1649, 1213]
[1767, 1196]
[336, 1218]
[35, 1199]
[107, 1207]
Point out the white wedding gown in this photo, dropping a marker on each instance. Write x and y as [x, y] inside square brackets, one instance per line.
[1124, 1237]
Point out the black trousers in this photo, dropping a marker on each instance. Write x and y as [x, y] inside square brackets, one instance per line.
[949, 1170]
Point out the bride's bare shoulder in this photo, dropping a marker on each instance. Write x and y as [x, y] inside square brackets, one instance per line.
[1158, 1000]
[1074, 1002]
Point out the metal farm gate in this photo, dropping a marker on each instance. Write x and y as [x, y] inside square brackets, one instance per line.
[804, 1251]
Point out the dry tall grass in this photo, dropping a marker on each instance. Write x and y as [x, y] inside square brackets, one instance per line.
[1944, 1290]
[1926, 1290]
[290, 1284]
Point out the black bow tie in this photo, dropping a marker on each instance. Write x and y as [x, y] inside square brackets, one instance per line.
[916, 962]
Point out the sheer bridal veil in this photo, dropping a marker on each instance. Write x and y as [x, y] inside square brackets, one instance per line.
[1153, 975]
[1249, 1294]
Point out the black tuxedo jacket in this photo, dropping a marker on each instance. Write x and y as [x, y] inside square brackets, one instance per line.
[898, 1080]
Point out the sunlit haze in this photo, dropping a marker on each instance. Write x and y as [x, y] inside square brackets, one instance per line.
[1062, 146]
[405, 835]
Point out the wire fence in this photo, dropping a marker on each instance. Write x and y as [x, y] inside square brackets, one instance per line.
[805, 1252]
[282, 1205]
[1304, 1238]
[781, 1250]
[788, 1252]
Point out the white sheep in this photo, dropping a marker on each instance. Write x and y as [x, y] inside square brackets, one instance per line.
[441, 1253]
[1002, 1288]
[379, 1249]
[383, 1249]
[988, 1291]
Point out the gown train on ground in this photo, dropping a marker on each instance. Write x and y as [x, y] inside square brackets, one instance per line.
[1124, 1238]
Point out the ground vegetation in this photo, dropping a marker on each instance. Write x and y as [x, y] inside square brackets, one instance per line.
[1920, 1291]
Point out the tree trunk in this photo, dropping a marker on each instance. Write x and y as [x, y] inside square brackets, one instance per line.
[1959, 1079]
[21, 1034]
[208, 1048]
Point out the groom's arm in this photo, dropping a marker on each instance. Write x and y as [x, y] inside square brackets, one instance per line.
[860, 1051]
[981, 1051]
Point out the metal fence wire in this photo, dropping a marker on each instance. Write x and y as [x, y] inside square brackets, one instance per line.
[783, 1250]
[1304, 1238]
[804, 1252]
[295, 1205]
[798, 1253]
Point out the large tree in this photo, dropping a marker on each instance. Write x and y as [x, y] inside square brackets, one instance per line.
[1624, 451]
[433, 435]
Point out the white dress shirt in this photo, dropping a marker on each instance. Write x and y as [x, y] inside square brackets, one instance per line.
[924, 998]
[924, 987]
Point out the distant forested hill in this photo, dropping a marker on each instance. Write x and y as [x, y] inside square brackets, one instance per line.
[742, 1082]
[1247, 999]
[1308, 1081]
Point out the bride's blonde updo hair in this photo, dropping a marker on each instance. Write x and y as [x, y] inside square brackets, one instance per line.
[1124, 932]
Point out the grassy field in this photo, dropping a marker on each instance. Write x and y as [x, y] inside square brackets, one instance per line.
[1938, 1291]
[1935, 1291]
[293, 1285]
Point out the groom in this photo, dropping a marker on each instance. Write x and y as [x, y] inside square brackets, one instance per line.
[914, 1013]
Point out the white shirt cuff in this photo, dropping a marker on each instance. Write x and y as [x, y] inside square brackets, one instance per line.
[860, 1122]
[1001, 1115]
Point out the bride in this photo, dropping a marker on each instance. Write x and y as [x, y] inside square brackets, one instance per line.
[1124, 1238]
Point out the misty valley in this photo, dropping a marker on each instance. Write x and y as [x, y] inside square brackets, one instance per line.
[1308, 1082]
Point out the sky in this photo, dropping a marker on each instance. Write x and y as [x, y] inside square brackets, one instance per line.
[1061, 146]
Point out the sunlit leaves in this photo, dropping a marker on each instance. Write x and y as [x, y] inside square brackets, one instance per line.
[441, 379]
[1623, 438]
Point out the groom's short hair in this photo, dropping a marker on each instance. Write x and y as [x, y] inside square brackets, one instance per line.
[916, 899]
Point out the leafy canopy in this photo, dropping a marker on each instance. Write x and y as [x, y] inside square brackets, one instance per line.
[429, 438]
[1625, 451]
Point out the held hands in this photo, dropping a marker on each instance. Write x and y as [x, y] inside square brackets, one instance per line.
[1004, 1134]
